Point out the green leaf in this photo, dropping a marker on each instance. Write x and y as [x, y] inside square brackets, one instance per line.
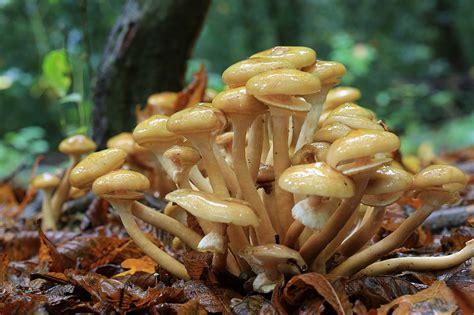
[57, 72]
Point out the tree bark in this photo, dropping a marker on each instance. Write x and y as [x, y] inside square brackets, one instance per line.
[146, 52]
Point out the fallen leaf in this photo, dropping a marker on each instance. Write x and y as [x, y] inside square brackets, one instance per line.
[144, 264]
[253, 304]
[194, 92]
[213, 299]
[437, 299]
[196, 263]
[309, 285]
[49, 255]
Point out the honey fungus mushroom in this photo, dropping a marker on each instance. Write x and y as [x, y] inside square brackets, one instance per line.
[340, 95]
[121, 188]
[47, 183]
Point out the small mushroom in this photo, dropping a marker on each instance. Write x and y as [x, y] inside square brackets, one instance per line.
[279, 90]
[121, 189]
[318, 181]
[297, 55]
[184, 159]
[340, 95]
[419, 263]
[311, 153]
[74, 147]
[332, 132]
[434, 186]
[46, 182]
[162, 103]
[268, 262]
[329, 73]
[353, 116]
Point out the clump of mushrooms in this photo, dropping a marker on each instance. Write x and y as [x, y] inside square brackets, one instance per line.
[274, 187]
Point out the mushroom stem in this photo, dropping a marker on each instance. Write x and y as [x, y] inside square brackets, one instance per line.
[396, 239]
[229, 176]
[254, 150]
[195, 176]
[48, 222]
[360, 237]
[265, 232]
[319, 264]
[316, 243]
[266, 137]
[124, 209]
[166, 223]
[419, 263]
[281, 161]
[310, 123]
[62, 192]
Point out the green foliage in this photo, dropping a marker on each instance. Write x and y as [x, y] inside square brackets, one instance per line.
[57, 72]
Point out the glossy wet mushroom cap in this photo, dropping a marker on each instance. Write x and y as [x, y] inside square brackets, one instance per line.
[316, 179]
[311, 153]
[258, 257]
[45, 181]
[77, 145]
[352, 110]
[203, 118]
[328, 72]
[182, 155]
[331, 132]
[299, 56]
[154, 131]
[162, 103]
[238, 101]
[214, 209]
[123, 140]
[440, 177]
[340, 95]
[96, 165]
[121, 184]
[239, 73]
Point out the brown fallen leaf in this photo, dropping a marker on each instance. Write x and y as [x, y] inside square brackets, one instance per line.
[197, 264]
[253, 304]
[378, 290]
[49, 255]
[437, 299]
[213, 299]
[194, 92]
[308, 286]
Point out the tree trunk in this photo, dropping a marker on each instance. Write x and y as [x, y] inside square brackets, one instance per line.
[146, 52]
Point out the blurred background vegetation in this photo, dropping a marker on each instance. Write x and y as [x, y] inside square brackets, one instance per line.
[413, 61]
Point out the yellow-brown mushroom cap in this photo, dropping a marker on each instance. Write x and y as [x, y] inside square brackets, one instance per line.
[239, 73]
[123, 141]
[182, 155]
[341, 95]
[328, 72]
[153, 131]
[212, 208]
[387, 180]
[440, 177]
[361, 144]
[121, 184]
[272, 254]
[353, 122]
[203, 118]
[310, 153]
[283, 82]
[77, 145]
[45, 181]
[331, 132]
[162, 103]
[299, 56]
[96, 165]
[351, 110]
[238, 101]
[316, 179]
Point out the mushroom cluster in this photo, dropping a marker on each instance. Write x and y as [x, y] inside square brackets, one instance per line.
[282, 172]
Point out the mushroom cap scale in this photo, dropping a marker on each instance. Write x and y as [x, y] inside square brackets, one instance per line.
[77, 145]
[45, 181]
[96, 165]
[202, 118]
[440, 177]
[341, 95]
[212, 208]
[299, 56]
[121, 184]
[371, 145]
[239, 73]
[316, 179]
[154, 131]
[328, 72]
[238, 101]
[284, 82]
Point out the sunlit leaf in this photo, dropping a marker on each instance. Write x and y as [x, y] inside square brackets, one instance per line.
[56, 71]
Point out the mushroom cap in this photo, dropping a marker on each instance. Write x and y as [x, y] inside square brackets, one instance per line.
[331, 132]
[76, 193]
[239, 73]
[123, 141]
[182, 155]
[316, 179]
[341, 95]
[310, 153]
[203, 118]
[95, 165]
[212, 208]
[77, 145]
[266, 174]
[162, 103]
[353, 122]
[328, 72]
[153, 131]
[212, 242]
[121, 184]
[286, 102]
[314, 217]
[238, 101]
[45, 181]
[359, 144]
[299, 56]
[225, 138]
[284, 82]
[440, 177]
[386, 185]
[272, 254]
[351, 110]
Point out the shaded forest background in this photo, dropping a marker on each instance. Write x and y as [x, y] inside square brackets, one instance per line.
[413, 61]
